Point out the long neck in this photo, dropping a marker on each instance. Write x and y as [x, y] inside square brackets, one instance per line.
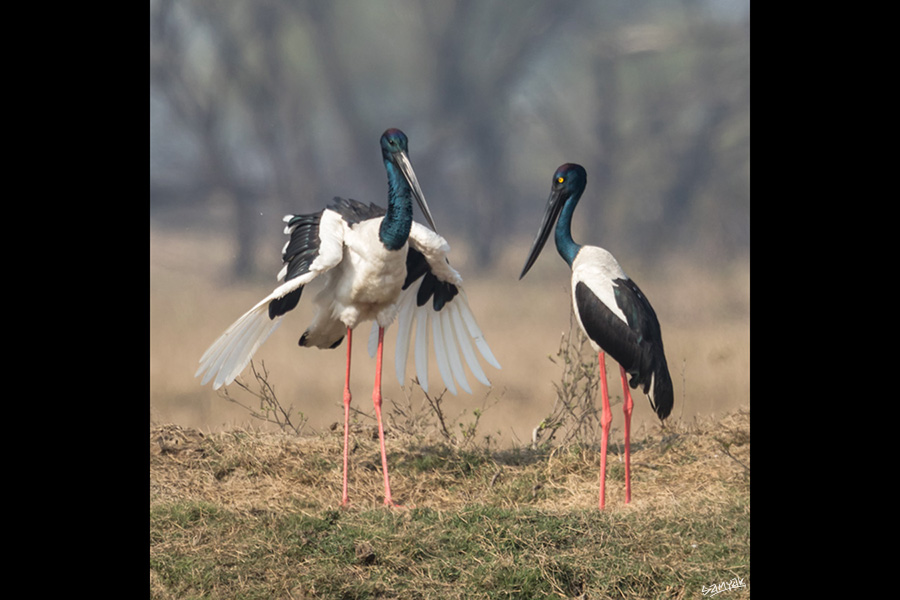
[397, 222]
[566, 246]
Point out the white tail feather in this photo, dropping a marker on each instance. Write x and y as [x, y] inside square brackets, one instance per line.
[218, 352]
[440, 352]
[232, 351]
[454, 331]
[405, 317]
[475, 330]
[257, 333]
[453, 350]
[230, 354]
[422, 346]
[238, 345]
[466, 344]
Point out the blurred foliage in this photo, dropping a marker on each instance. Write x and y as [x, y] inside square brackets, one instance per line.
[276, 106]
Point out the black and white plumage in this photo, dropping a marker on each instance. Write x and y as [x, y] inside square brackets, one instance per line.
[377, 264]
[610, 308]
[619, 320]
[420, 290]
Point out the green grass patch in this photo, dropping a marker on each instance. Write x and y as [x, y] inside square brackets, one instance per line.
[271, 528]
[476, 552]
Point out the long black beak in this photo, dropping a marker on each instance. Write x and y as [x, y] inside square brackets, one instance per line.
[402, 161]
[554, 205]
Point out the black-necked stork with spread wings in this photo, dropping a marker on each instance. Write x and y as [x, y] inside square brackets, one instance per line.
[612, 311]
[376, 265]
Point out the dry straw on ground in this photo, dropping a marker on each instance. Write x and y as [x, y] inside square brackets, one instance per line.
[681, 464]
[245, 513]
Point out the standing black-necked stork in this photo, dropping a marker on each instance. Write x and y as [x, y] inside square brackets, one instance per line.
[377, 265]
[612, 311]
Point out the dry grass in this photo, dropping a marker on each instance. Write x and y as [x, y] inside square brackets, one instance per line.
[686, 465]
[237, 504]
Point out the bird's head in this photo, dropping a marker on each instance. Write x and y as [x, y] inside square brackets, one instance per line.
[569, 182]
[395, 151]
[393, 140]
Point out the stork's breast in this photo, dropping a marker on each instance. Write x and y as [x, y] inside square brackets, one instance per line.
[378, 276]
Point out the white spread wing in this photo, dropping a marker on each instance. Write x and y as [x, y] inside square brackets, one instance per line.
[433, 309]
[316, 246]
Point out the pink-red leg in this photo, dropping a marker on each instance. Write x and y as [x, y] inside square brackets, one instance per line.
[605, 421]
[376, 399]
[345, 499]
[627, 407]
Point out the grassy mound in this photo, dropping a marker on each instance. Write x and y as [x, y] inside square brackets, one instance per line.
[245, 514]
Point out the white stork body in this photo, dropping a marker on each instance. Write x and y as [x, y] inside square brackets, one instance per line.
[376, 265]
[351, 259]
[365, 288]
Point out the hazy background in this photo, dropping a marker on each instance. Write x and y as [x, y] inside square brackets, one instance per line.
[262, 108]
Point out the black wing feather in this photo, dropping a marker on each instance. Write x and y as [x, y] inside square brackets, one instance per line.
[300, 252]
[353, 211]
[303, 247]
[417, 267]
[636, 344]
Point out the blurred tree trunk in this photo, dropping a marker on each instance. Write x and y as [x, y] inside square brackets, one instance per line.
[281, 113]
[606, 162]
[201, 109]
[694, 157]
[339, 88]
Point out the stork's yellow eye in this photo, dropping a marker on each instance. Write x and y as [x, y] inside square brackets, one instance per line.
[560, 179]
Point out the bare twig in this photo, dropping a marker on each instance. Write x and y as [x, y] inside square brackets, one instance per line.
[414, 421]
[726, 447]
[575, 414]
[435, 404]
[495, 477]
[270, 409]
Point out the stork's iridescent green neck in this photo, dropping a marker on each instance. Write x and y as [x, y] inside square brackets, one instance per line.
[403, 186]
[565, 245]
[397, 222]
